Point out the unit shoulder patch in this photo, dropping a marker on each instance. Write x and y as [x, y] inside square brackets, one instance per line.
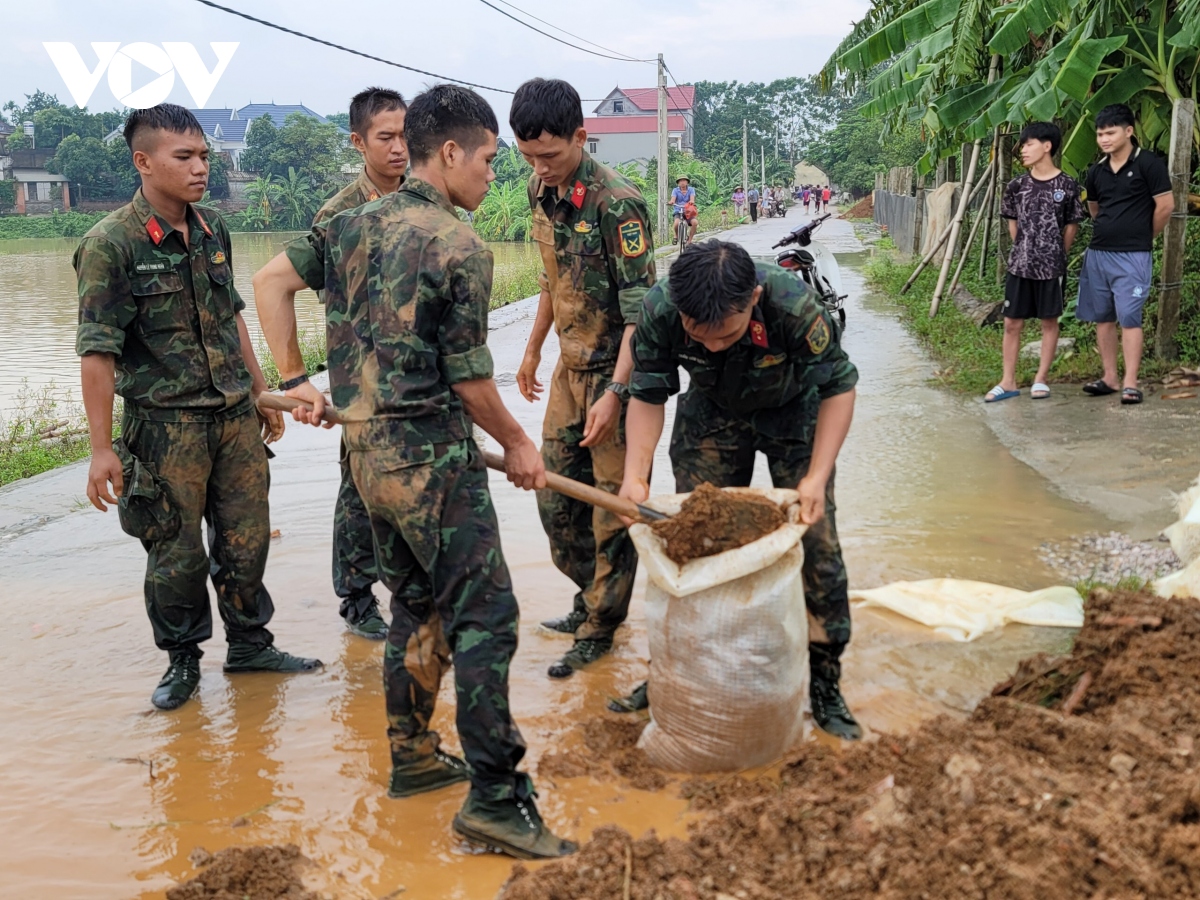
[633, 238]
[818, 336]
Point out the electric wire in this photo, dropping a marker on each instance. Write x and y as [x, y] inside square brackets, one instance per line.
[570, 34]
[317, 40]
[554, 38]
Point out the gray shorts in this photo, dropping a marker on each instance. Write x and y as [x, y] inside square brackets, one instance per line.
[1113, 287]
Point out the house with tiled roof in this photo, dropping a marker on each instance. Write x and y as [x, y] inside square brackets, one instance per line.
[624, 127]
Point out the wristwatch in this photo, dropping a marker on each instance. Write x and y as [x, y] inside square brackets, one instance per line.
[621, 390]
[293, 382]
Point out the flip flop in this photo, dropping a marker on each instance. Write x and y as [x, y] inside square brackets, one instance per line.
[1131, 396]
[1039, 391]
[1098, 388]
[998, 393]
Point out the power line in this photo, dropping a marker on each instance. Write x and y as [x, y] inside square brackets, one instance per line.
[552, 37]
[570, 34]
[386, 62]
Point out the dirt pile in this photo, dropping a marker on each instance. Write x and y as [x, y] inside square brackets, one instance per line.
[863, 209]
[609, 746]
[1022, 801]
[712, 521]
[246, 873]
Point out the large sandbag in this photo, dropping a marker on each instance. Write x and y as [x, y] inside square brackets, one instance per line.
[728, 649]
[1184, 535]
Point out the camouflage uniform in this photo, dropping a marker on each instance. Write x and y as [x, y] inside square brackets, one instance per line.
[407, 286]
[760, 395]
[354, 570]
[599, 263]
[190, 441]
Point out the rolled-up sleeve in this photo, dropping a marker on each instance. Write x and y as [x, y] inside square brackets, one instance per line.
[655, 368]
[462, 335]
[307, 256]
[631, 254]
[106, 305]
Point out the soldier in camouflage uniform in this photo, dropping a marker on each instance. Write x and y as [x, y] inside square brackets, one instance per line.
[159, 316]
[377, 132]
[591, 226]
[768, 375]
[407, 286]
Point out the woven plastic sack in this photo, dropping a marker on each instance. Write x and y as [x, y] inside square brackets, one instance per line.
[728, 648]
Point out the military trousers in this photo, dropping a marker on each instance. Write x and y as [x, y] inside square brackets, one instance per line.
[438, 548]
[354, 569]
[710, 444]
[588, 544]
[209, 468]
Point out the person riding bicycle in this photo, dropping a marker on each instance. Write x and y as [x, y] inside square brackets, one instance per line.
[683, 198]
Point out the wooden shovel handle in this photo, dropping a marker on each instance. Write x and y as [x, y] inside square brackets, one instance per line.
[287, 404]
[578, 491]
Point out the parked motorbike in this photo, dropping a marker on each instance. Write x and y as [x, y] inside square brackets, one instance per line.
[772, 208]
[815, 265]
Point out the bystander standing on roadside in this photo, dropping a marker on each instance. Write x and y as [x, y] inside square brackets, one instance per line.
[1129, 199]
[752, 199]
[739, 202]
[1043, 210]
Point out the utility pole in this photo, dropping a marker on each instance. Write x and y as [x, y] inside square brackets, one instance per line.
[1183, 115]
[663, 221]
[762, 159]
[745, 158]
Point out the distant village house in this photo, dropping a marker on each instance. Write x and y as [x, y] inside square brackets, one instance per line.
[624, 127]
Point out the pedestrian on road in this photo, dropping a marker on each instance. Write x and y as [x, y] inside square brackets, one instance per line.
[592, 228]
[807, 199]
[739, 202]
[1043, 212]
[825, 194]
[377, 132]
[160, 317]
[1130, 201]
[752, 199]
[767, 374]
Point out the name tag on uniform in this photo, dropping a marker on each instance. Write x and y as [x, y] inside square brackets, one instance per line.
[156, 266]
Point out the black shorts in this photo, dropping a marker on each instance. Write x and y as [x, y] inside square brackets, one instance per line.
[1025, 298]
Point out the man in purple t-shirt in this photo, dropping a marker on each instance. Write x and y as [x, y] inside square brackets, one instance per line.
[1043, 212]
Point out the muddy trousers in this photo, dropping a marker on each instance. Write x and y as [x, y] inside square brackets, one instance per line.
[588, 545]
[438, 548]
[212, 469]
[354, 569]
[708, 444]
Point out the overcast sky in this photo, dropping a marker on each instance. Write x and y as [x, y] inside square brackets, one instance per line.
[714, 40]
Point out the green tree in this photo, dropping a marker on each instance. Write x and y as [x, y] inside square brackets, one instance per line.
[314, 149]
[86, 163]
[504, 214]
[261, 136]
[341, 119]
[792, 111]
[262, 194]
[295, 202]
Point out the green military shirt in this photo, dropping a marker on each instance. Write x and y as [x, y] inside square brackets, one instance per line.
[407, 285]
[307, 254]
[598, 257]
[165, 309]
[789, 359]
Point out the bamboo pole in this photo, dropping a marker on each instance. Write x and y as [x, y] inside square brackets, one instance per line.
[1166, 347]
[934, 249]
[962, 260]
[991, 207]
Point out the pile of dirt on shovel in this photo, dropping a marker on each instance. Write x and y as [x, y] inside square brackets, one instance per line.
[1021, 801]
[246, 873]
[711, 521]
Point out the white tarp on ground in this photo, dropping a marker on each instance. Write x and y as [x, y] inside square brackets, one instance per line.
[1184, 536]
[963, 610]
[728, 641]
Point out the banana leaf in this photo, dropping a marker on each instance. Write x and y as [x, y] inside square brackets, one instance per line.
[1030, 17]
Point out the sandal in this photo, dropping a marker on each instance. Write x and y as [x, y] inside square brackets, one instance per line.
[998, 393]
[1131, 396]
[1039, 391]
[1098, 388]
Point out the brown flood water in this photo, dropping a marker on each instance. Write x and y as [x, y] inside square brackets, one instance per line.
[924, 490]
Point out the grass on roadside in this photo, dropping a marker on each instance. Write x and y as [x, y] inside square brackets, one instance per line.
[59, 224]
[42, 432]
[515, 281]
[1085, 586]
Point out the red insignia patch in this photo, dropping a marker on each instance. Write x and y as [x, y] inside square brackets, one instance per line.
[578, 194]
[203, 224]
[758, 334]
[155, 231]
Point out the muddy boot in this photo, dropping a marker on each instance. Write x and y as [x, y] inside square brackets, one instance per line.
[636, 701]
[180, 681]
[828, 706]
[582, 654]
[252, 658]
[566, 624]
[512, 825]
[363, 618]
[429, 773]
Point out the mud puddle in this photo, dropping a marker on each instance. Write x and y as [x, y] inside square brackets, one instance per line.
[923, 490]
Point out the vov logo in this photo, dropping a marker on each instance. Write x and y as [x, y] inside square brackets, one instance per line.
[164, 61]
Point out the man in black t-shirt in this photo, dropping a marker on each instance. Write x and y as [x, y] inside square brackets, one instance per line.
[1129, 198]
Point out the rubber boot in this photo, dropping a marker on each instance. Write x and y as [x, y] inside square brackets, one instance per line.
[363, 618]
[567, 624]
[828, 706]
[429, 773]
[637, 700]
[512, 825]
[180, 681]
[584, 653]
[252, 658]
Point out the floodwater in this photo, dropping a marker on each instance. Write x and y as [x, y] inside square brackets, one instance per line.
[39, 308]
[105, 798]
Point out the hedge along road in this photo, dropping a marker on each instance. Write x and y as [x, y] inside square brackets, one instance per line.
[924, 490]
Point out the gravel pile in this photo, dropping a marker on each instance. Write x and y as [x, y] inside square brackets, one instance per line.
[1109, 558]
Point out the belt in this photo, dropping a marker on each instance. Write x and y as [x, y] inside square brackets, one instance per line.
[186, 414]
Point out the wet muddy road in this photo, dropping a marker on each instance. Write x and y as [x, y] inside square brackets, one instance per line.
[104, 798]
